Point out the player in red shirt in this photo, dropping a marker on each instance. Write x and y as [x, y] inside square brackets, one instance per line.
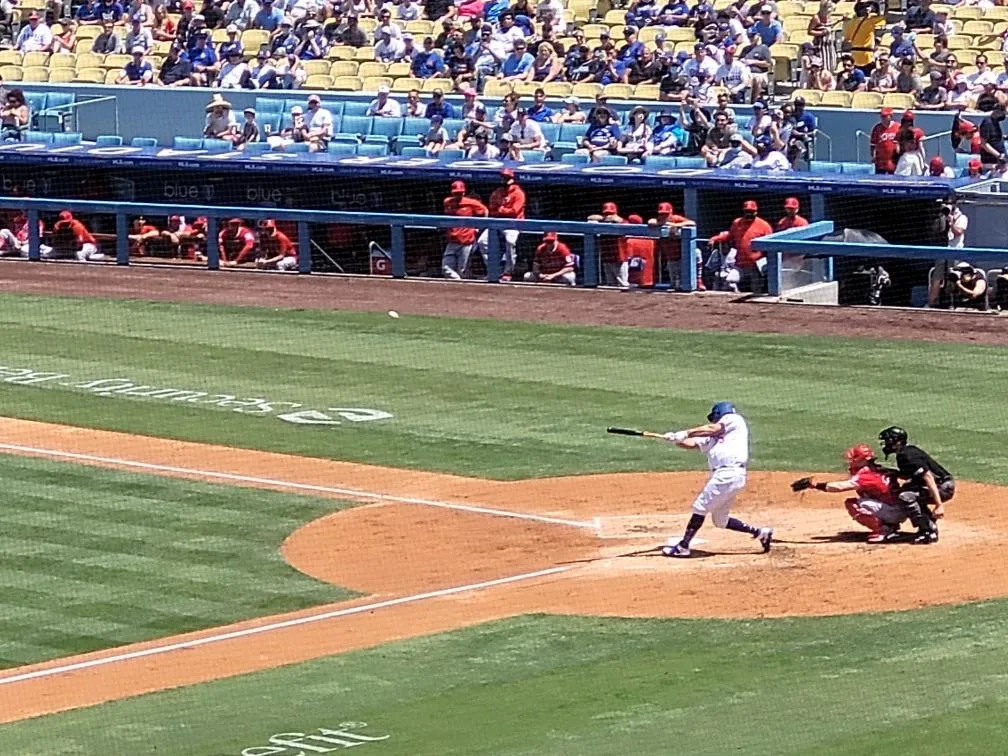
[668, 251]
[276, 250]
[875, 505]
[910, 140]
[460, 239]
[791, 218]
[507, 201]
[884, 149]
[14, 240]
[237, 243]
[553, 262]
[640, 252]
[140, 233]
[71, 239]
[743, 231]
[612, 249]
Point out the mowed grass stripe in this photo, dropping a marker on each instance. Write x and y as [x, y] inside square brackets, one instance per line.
[77, 578]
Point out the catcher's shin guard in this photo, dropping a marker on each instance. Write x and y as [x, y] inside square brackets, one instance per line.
[863, 517]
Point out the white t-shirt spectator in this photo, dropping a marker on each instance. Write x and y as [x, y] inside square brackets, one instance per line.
[320, 119]
[390, 51]
[506, 39]
[529, 135]
[978, 79]
[488, 153]
[959, 222]
[32, 40]
[230, 76]
[141, 38]
[408, 11]
[774, 161]
[736, 157]
[732, 76]
[757, 126]
[389, 109]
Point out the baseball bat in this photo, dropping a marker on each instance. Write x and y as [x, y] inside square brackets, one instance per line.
[633, 432]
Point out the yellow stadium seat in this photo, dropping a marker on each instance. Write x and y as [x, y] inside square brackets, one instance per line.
[795, 23]
[677, 34]
[586, 90]
[253, 39]
[995, 58]
[493, 88]
[88, 33]
[364, 54]
[978, 27]
[997, 13]
[63, 60]
[787, 8]
[646, 92]
[835, 99]
[35, 59]
[10, 57]
[960, 42]
[811, 96]
[419, 27]
[319, 81]
[429, 85]
[343, 68]
[1000, 27]
[597, 30]
[62, 75]
[341, 52]
[317, 67]
[397, 70]
[364, 70]
[967, 70]
[939, 7]
[116, 61]
[582, 9]
[35, 73]
[619, 91]
[11, 73]
[346, 84]
[797, 37]
[90, 75]
[967, 12]
[685, 46]
[219, 36]
[111, 75]
[611, 17]
[367, 24]
[866, 100]
[898, 101]
[525, 88]
[406, 83]
[556, 89]
[371, 83]
[89, 60]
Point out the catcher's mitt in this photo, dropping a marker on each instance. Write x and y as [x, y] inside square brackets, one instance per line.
[801, 484]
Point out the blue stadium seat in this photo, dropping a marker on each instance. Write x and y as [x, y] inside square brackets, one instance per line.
[38, 137]
[415, 126]
[268, 105]
[822, 166]
[612, 160]
[534, 156]
[108, 140]
[297, 147]
[216, 146]
[143, 142]
[257, 148]
[690, 162]
[571, 132]
[336, 107]
[342, 149]
[65, 138]
[963, 158]
[412, 152]
[187, 143]
[451, 153]
[58, 99]
[345, 138]
[660, 162]
[390, 128]
[36, 101]
[857, 168]
[353, 108]
[269, 123]
[372, 150]
[286, 121]
[355, 125]
[453, 126]
[551, 131]
[575, 158]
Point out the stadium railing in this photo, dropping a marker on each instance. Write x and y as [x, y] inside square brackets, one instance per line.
[397, 223]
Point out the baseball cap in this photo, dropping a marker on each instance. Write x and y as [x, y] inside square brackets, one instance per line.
[314, 98]
[458, 187]
[437, 118]
[630, 30]
[137, 50]
[550, 236]
[665, 208]
[960, 79]
[507, 172]
[407, 35]
[634, 218]
[766, 9]
[438, 93]
[249, 110]
[908, 115]
[604, 35]
[735, 139]
[232, 29]
[137, 18]
[936, 76]
[799, 100]
[297, 110]
[886, 111]
[188, 5]
[199, 17]
[682, 55]
[468, 92]
[937, 164]
[730, 49]
[791, 203]
[699, 46]
[974, 163]
[267, 223]
[65, 215]
[660, 37]
[759, 104]
[750, 205]
[609, 208]
[571, 100]
[383, 89]
[385, 30]
[234, 221]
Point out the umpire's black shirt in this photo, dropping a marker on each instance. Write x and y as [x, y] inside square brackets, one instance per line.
[913, 462]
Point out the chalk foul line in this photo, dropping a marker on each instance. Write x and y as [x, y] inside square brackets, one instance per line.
[292, 485]
[221, 637]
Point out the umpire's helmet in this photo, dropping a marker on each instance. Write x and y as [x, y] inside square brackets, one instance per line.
[719, 410]
[893, 439]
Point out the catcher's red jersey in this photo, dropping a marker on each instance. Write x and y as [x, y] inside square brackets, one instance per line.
[872, 484]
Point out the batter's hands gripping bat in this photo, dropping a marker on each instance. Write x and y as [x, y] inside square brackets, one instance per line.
[632, 432]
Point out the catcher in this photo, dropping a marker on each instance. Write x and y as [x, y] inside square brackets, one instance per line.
[875, 505]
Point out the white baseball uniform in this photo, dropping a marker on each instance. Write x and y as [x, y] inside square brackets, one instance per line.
[727, 457]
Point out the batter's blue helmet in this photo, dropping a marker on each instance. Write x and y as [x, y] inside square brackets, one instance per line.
[719, 410]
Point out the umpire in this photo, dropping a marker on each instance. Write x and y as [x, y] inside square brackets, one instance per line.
[927, 483]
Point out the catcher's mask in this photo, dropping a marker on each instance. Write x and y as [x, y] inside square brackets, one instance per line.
[858, 456]
[893, 439]
[719, 410]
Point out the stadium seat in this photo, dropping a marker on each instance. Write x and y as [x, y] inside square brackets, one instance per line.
[835, 99]
[62, 75]
[355, 125]
[551, 131]
[857, 168]
[405, 84]
[66, 138]
[108, 140]
[534, 156]
[372, 150]
[38, 137]
[217, 145]
[660, 162]
[575, 158]
[187, 143]
[452, 153]
[415, 126]
[962, 159]
[321, 68]
[363, 70]
[690, 162]
[353, 108]
[612, 160]
[36, 59]
[412, 152]
[257, 148]
[10, 58]
[90, 75]
[390, 128]
[36, 101]
[557, 89]
[111, 75]
[340, 52]
[453, 126]
[342, 149]
[823, 166]
[269, 123]
[395, 70]
[586, 91]
[344, 84]
[143, 142]
[10, 73]
[898, 101]
[372, 83]
[59, 100]
[63, 60]
[268, 105]
[571, 132]
[619, 91]
[115, 61]
[811, 96]
[866, 100]
[345, 138]
[297, 147]
[324, 81]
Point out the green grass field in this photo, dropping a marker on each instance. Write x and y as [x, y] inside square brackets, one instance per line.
[99, 558]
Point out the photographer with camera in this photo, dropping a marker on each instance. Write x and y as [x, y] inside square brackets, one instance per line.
[953, 223]
[967, 286]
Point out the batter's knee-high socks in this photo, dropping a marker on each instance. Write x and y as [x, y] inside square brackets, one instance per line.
[694, 524]
[741, 527]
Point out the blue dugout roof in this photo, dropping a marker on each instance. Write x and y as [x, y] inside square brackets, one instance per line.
[426, 169]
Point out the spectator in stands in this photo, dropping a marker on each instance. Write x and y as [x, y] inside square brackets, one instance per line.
[738, 155]
[87, 13]
[508, 33]
[459, 241]
[718, 140]
[35, 36]
[66, 40]
[859, 34]
[285, 41]
[240, 13]
[540, 112]
[907, 81]
[759, 60]
[110, 10]
[233, 43]
[138, 72]
[237, 243]
[234, 73]
[427, 64]
[902, 46]
[527, 134]
[517, 63]
[389, 49]
[959, 97]
[933, 96]
[910, 140]
[108, 41]
[486, 54]
[353, 35]
[571, 112]
[634, 141]
[436, 138]
[920, 16]
[578, 64]
[767, 157]
[140, 233]
[701, 62]
[759, 123]
[553, 262]
[733, 75]
[409, 49]
[459, 67]
[801, 115]
[414, 107]
[645, 69]
[139, 35]
[509, 149]
[823, 32]
[1002, 82]
[988, 98]
[409, 11]
[938, 169]
[220, 120]
[884, 147]
[767, 30]
[883, 78]
[250, 130]
[818, 78]
[275, 251]
[984, 75]
[439, 106]
[13, 116]
[296, 133]
[851, 79]
[482, 149]
[507, 201]
[992, 146]
[184, 31]
[791, 217]
[974, 169]
[546, 66]
[937, 59]
[602, 136]
[668, 136]
[203, 59]
[743, 232]
[319, 122]
[268, 18]
[197, 26]
[314, 44]
[384, 106]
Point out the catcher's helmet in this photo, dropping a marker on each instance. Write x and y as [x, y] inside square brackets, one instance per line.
[858, 456]
[719, 410]
[893, 439]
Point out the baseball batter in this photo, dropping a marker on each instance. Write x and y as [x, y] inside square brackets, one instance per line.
[725, 441]
[874, 505]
